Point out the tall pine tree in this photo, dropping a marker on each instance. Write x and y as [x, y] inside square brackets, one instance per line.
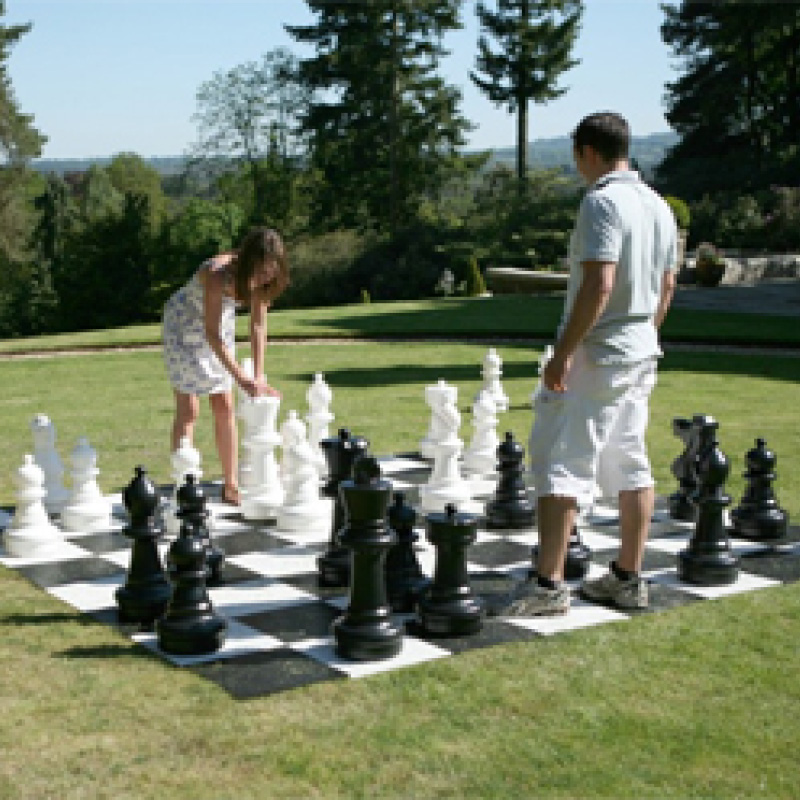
[19, 142]
[384, 127]
[736, 104]
[534, 41]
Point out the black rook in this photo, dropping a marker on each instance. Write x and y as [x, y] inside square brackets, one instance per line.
[448, 607]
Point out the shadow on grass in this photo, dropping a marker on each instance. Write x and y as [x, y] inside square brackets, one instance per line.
[784, 368]
[109, 651]
[47, 618]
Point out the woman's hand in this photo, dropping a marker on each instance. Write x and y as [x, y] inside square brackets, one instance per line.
[258, 387]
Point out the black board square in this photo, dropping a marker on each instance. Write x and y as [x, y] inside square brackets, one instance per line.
[491, 633]
[265, 672]
[295, 623]
[774, 563]
[498, 552]
[106, 542]
[251, 540]
[75, 570]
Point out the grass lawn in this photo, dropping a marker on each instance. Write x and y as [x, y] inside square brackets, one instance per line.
[696, 702]
[501, 316]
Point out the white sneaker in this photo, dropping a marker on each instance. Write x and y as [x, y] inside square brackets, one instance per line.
[631, 593]
[528, 599]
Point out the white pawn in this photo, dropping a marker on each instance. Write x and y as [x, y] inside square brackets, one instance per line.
[480, 456]
[319, 398]
[304, 510]
[184, 461]
[446, 484]
[293, 431]
[30, 534]
[259, 478]
[46, 456]
[492, 371]
[86, 511]
[537, 390]
[435, 396]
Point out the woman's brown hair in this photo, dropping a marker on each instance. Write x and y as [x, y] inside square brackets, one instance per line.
[260, 245]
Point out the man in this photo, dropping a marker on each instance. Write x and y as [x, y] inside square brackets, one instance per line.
[594, 404]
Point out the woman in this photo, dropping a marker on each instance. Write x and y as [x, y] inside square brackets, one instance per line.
[199, 348]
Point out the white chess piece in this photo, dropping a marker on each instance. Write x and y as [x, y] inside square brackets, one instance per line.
[293, 431]
[304, 510]
[319, 398]
[46, 456]
[259, 479]
[86, 510]
[492, 372]
[480, 456]
[537, 390]
[435, 396]
[184, 461]
[446, 484]
[30, 534]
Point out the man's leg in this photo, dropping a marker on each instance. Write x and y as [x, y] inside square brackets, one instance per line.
[555, 517]
[635, 511]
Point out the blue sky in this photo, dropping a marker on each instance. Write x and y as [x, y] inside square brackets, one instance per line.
[107, 76]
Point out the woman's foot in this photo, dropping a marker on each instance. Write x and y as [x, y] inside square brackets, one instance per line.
[230, 495]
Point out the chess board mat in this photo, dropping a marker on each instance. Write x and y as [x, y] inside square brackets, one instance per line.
[279, 620]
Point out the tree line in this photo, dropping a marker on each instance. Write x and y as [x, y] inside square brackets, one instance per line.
[356, 154]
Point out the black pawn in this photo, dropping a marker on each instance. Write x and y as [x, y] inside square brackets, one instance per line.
[684, 467]
[405, 580]
[511, 507]
[190, 627]
[448, 607]
[759, 516]
[367, 632]
[341, 453]
[147, 591]
[708, 560]
[192, 509]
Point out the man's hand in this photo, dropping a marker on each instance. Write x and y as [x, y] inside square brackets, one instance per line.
[555, 372]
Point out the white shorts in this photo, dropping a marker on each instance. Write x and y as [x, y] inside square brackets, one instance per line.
[590, 439]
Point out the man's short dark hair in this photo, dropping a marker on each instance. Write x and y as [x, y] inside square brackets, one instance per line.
[608, 133]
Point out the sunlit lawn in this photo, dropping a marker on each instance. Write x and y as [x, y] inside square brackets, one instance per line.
[696, 702]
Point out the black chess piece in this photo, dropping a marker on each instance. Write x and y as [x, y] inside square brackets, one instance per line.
[190, 625]
[341, 453]
[511, 507]
[366, 631]
[578, 558]
[759, 516]
[147, 591]
[708, 560]
[448, 607]
[684, 467]
[405, 580]
[192, 508]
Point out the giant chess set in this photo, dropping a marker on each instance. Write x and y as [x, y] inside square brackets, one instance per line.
[339, 564]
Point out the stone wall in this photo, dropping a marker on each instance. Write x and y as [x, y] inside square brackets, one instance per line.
[744, 269]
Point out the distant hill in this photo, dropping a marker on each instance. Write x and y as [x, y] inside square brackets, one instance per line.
[166, 165]
[647, 150]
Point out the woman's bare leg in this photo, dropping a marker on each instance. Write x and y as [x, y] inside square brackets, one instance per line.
[225, 435]
[187, 409]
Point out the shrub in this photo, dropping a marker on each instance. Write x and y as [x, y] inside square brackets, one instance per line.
[475, 285]
[709, 265]
[680, 210]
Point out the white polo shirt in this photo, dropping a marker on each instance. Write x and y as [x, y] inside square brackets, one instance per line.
[621, 219]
